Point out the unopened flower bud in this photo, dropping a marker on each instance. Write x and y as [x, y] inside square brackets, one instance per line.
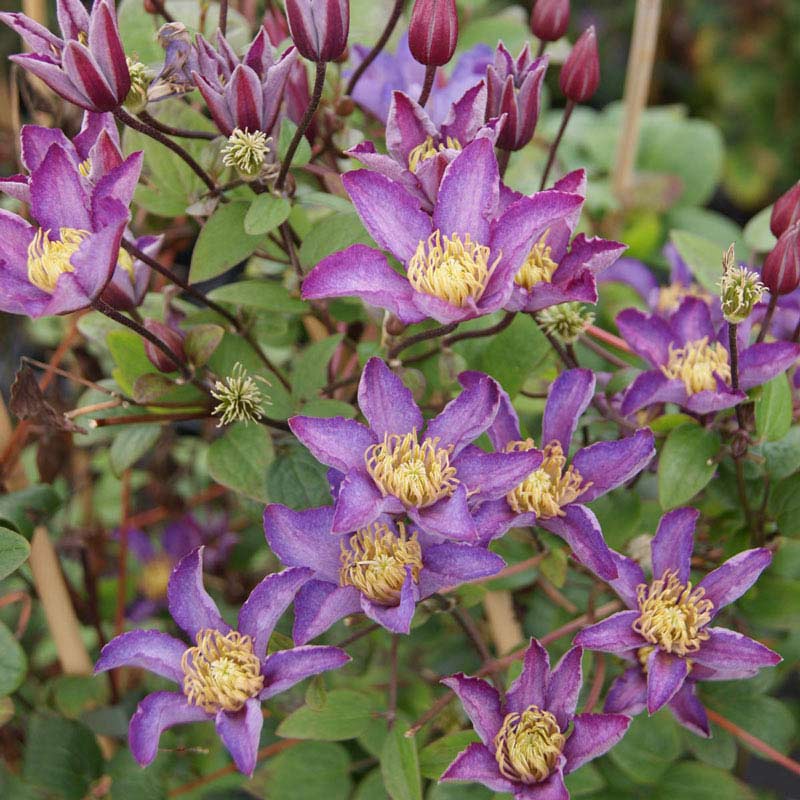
[136, 99]
[565, 322]
[580, 75]
[740, 290]
[433, 31]
[171, 338]
[274, 23]
[246, 151]
[549, 19]
[240, 399]
[786, 210]
[781, 272]
[319, 28]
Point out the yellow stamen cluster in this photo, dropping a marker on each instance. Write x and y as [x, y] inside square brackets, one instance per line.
[450, 269]
[246, 151]
[374, 561]
[222, 672]
[670, 297]
[528, 745]
[696, 365]
[155, 577]
[673, 616]
[551, 487]
[416, 474]
[85, 168]
[538, 267]
[49, 259]
[426, 150]
[125, 262]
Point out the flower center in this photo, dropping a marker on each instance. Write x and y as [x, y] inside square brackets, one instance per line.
[416, 474]
[671, 615]
[450, 269]
[528, 745]
[549, 488]
[155, 577]
[222, 672]
[426, 150]
[697, 365]
[48, 258]
[375, 562]
[669, 297]
[538, 267]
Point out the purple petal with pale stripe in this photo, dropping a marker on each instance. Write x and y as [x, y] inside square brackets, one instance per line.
[336, 441]
[672, 545]
[731, 580]
[649, 336]
[612, 635]
[530, 688]
[386, 402]
[481, 704]
[152, 650]
[628, 693]
[564, 687]
[652, 387]
[692, 321]
[318, 605]
[449, 517]
[395, 618]
[665, 676]
[592, 736]
[240, 732]
[490, 476]
[762, 362]
[189, 603]
[358, 503]
[479, 765]
[285, 668]
[569, 396]
[731, 651]
[689, 711]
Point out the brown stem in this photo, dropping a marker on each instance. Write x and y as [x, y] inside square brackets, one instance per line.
[319, 85]
[467, 624]
[148, 130]
[376, 50]
[122, 568]
[223, 16]
[145, 419]
[773, 303]
[354, 637]
[182, 133]
[500, 326]
[542, 47]
[424, 336]
[159, 6]
[430, 75]
[597, 682]
[556, 142]
[603, 353]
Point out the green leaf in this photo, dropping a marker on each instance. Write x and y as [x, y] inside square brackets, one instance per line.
[13, 662]
[345, 715]
[649, 747]
[774, 602]
[783, 456]
[703, 257]
[371, 787]
[686, 464]
[586, 780]
[298, 480]
[784, 505]
[512, 355]
[201, 341]
[76, 694]
[130, 444]
[14, 550]
[757, 233]
[266, 212]
[265, 295]
[400, 766]
[303, 153]
[554, 567]
[693, 781]
[330, 234]
[61, 756]
[774, 409]
[311, 771]
[323, 407]
[222, 242]
[311, 367]
[239, 459]
[437, 756]
[127, 350]
[22, 510]
[718, 751]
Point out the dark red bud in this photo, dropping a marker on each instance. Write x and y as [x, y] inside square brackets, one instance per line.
[580, 75]
[433, 31]
[275, 25]
[319, 28]
[550, 19]
[781, 273]
[171, 338]
[786, 210]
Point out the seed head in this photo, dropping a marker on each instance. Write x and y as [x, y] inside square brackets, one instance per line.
[136, 99]
[240, 399]
[566, 322]
[740, 290]
[246, 151]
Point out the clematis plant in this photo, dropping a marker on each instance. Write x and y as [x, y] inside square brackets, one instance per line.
[458, 265]
[667, 625]
[533, 738]
[383, 569]
[226, 674]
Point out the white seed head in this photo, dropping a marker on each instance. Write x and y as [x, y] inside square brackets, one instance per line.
[246, 151]
[240, 398]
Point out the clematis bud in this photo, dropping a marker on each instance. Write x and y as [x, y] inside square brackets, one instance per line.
[170, 337]
[580, 75]
[433, 31]
[274, 24]
[781, 272]
[319, 28]
[549, 19]
[786, 210]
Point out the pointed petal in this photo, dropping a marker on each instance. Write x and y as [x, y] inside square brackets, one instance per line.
[386, 402]
[58, 198]
[689, 711]
[652, 387]
[449, 517]
[453, 563]
[358, 503]
[477, 764]
[189, 603]
[318, 605]
[593, 735]
[692, 321]
[240, 732]
[152, 650]
[406, 127]
[553, 788]
[106, 47]
[481, 704]
[569, 396]
[673, 543]
[73, 19]
[284, 668]
[732, 651]
[628, 693]
[649, 336]
[246, 98]
[580, 529]
[732, 579]
[55, 77]
[395, 618]
[564, 687]
[665, 676]
[530, 688]
[85, 73]
[505, 427]
[336, 441]
[489, 476]
[36, 140]
[630, 575]
[762, 362]
[612, 635]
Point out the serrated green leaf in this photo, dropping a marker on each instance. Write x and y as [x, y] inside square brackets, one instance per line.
[774, 409]
[222, 242]
[264, 295]
[686, 464]
[266, 212]
[400, 766]
[298, 480]
[240, 458]
[345, 715]
[14, 551]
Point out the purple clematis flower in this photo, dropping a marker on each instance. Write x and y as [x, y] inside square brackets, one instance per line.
[419, 150]
[87, 66]
[458, 265]
[514, 89]
[382, 569]
[392, 467]
[227, 674]
[242, 93]
[667, 624]
[526, 744]
[62, 263]
[554, 272]
[554, 495]
[690, 359]
[400, 71]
